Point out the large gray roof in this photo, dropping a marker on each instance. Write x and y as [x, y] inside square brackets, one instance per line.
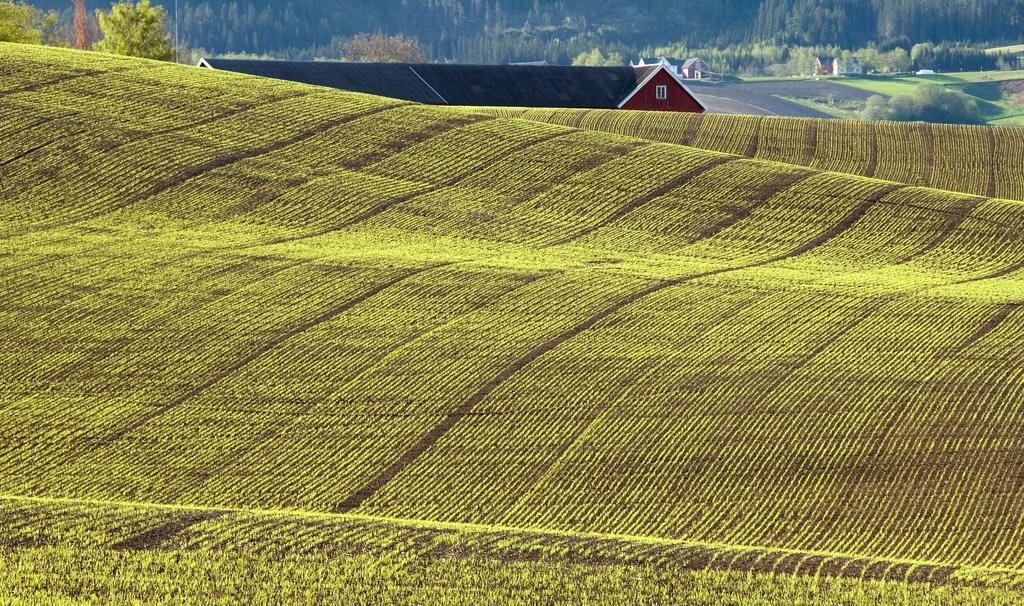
[511, 85]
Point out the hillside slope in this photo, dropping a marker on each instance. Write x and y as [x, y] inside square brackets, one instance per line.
[230, 293]
[977, 160]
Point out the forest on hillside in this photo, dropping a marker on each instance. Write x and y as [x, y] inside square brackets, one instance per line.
[496, 31]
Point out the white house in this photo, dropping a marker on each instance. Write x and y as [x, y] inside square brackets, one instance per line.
[690, 69]
[849, 67]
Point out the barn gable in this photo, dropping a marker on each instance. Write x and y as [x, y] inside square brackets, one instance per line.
[662, 90]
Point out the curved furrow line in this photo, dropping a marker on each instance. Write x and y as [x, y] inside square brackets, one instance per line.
[990, 325]
[412, 137]
[78, 253]
[999, 273]
[872, 167]
[154, 318]
[960, 214]
[583, 165]
[224, 115]
[221, 161]
[929, 153]
[755, 140]
[28, 152]
[29, 265]
[691, 129]
[573, 439]
[461, 411]
[255, 355]
[153, 538]
[956, 220]
[273, 433]
[254, 530]
[991, 187]
[196, 305]
[812, 143]
[413, 453]
[34, 295]
[59, 79]
[409, 139]
[775, 453]
[766, 192]
[639, 203]
[39, 122]
[885, 429]
[389, 204]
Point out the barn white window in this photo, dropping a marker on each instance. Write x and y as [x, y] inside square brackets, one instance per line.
[661, 92]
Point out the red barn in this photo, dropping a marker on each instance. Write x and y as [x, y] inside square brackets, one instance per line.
[650, 87]
[662, 90]
[694, 69]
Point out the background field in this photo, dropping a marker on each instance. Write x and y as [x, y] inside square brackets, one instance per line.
[997, 93]
[319, 322]
[967, 159]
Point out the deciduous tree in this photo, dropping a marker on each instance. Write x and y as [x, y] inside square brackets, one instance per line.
[81, 26]
[137, 30]
[596, 57]
[378, 48]
[18, 23]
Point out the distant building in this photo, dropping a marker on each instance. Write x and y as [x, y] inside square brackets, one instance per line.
[849, 67]
[651, 87]
[694, 69]
[825, 66]
[690, 69]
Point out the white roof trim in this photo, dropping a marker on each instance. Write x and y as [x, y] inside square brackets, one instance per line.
[674, 77]
[432, 89]
[203, 63]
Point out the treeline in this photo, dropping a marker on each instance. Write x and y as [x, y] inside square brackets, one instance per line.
[498, 31]
[494, 49]
[853, 23]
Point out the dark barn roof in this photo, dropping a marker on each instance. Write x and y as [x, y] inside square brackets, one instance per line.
[384, 79]
[511, 85]
[533, 86]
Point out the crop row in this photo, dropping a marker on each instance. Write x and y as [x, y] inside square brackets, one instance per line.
[976, 160]
[100, 526]
[200, 433]
[328, 302]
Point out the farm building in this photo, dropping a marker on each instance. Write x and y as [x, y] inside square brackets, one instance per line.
[849, 67]
[825, 66]
[694, 68]
[655, 87]
[690, 69]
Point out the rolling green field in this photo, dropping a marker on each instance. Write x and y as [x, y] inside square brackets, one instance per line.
[968, 159]
[266, 343]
